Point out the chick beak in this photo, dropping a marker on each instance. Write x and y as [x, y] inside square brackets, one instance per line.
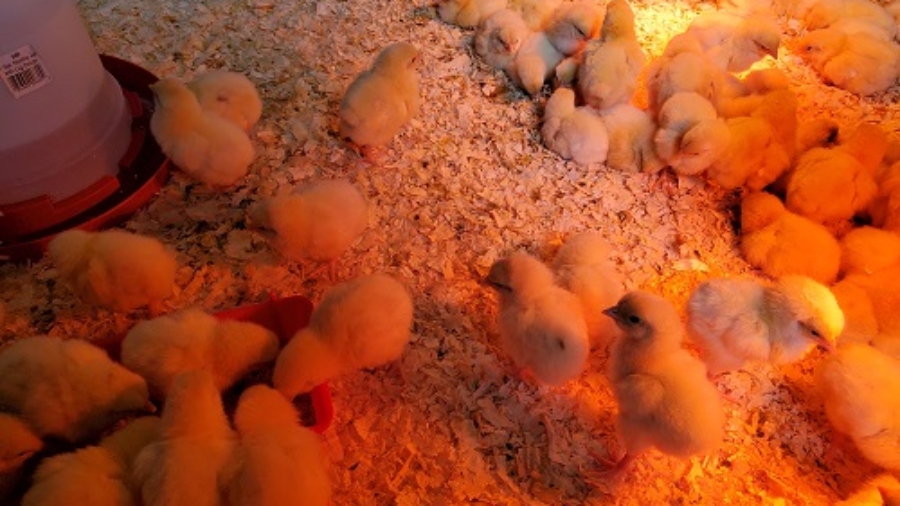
[149, 407]
[826, 345]
[613, 313]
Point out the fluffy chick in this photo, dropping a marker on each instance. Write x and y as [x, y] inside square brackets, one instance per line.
[734, 41]
[665, 399]
[881, 490]
[161, 348]
[851, 17]
[859, 63]
[859, 386]
[685, 71]
[360, 324]
[575, 133]
[114, 268]
[542, 325]
[95, 475]
[735, 321]
[381, 99]
[583, 266]
[779, 242]
[700, 147]
[681, 112]
[468, 13]
[318, 221]
[207, 147]
[231, 95]
[17, 443]
[573, 24]
[612, 64]
[499, 37]
[535, 61]
[885, 207]
[184, 466]
[85, 393]
[277, 462]
[630, 131]
[753, 156]
[536, 13]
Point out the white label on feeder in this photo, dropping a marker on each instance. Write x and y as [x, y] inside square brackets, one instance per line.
[23, 71]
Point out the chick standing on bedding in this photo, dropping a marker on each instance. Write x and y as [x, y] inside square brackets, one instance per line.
[230, 95]
[206, 146]
[542, 325]
[359, 324]
[95, 475]
[859, 63]
[573, 25]
[68, 389]
[161, 348]
[734, 321]
[184, 465]
[574, 133]
[318, 221]
[277, 462]
[114, 268]
[665, 399]
[468, 13]
[382, 99]
[499, 37]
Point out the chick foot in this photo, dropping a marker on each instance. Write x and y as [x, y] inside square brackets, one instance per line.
[611, 470]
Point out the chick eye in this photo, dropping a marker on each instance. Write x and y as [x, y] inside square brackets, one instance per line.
[815, 333]
[560, 344]
[634, 319]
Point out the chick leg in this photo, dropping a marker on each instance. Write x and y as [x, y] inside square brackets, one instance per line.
[611, 470]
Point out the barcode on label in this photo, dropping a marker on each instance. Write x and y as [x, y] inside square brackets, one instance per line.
[23, 71]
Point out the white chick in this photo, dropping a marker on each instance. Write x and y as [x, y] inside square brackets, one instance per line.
[114, 268]
[574, 133]
[583, 266]
[735, 321]
[859, 386]
[680, 112]
[499, 37]
[851, 17]
[858, 63]
[85, 393]
[359, 324]
[17, 443]
[573, 24]
[184, 466]
[231, 95]
[318, 221]
[382, 99]
[536, 13]
[161, 348]
[630, 131]
[535, 61]
[685, 71]
[94, 475]
[277, 462]
[612, 64]
[468, 13]
[700, 147]
[665, 399]
[734, 41]
[207, 147]
[542, 325]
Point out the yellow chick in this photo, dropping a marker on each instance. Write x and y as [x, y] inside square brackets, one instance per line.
[851, 17]
[665, 399]
[499, 37]
[319, 221]
[95, 475]
[859, 387]
[277, 461]
[114, 268]
[574, 133]
[701, 145]
[684, 71]
[382, 99]
[161, 348]
[542, 325]
[68, 389]
[885, 207]
[859, 63]
[573, 24]
[468, 13]
[231, 95]
[206, 146]
[734, 321]
[681, 112]
[734, 41]
[359, 324]
[184, 465]
[535, 61]
[880, 490]
[17, 443]
[631, 147]
[536, 13]
[779, 242]
[753, 156]
[611, 65]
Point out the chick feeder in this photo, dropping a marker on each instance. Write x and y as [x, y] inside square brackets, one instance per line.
[75, 148]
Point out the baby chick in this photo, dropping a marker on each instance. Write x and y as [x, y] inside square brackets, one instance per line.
[583, 266]
[574, 133]
[859, 386]
[85, 393]
[468, 13]
[630, 131]
[572, 25]
[851, 17]
[734, 320]
[114, 268]
[161, 348]
[542, 325]
[885, 207]
[17, 443]
[734, 41]
[859, 63]
[701, 145]
[277, 461]
[318, 221]
[94, 475]
[535, 61]
[536, 13]
[499, 37]
[779, 242]
[685, 71]
[611, 64]
[681, 112]
[231, 95]
[207, 147]
[360, 324]
[382, 99]
[185, 464]
[665, 399]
